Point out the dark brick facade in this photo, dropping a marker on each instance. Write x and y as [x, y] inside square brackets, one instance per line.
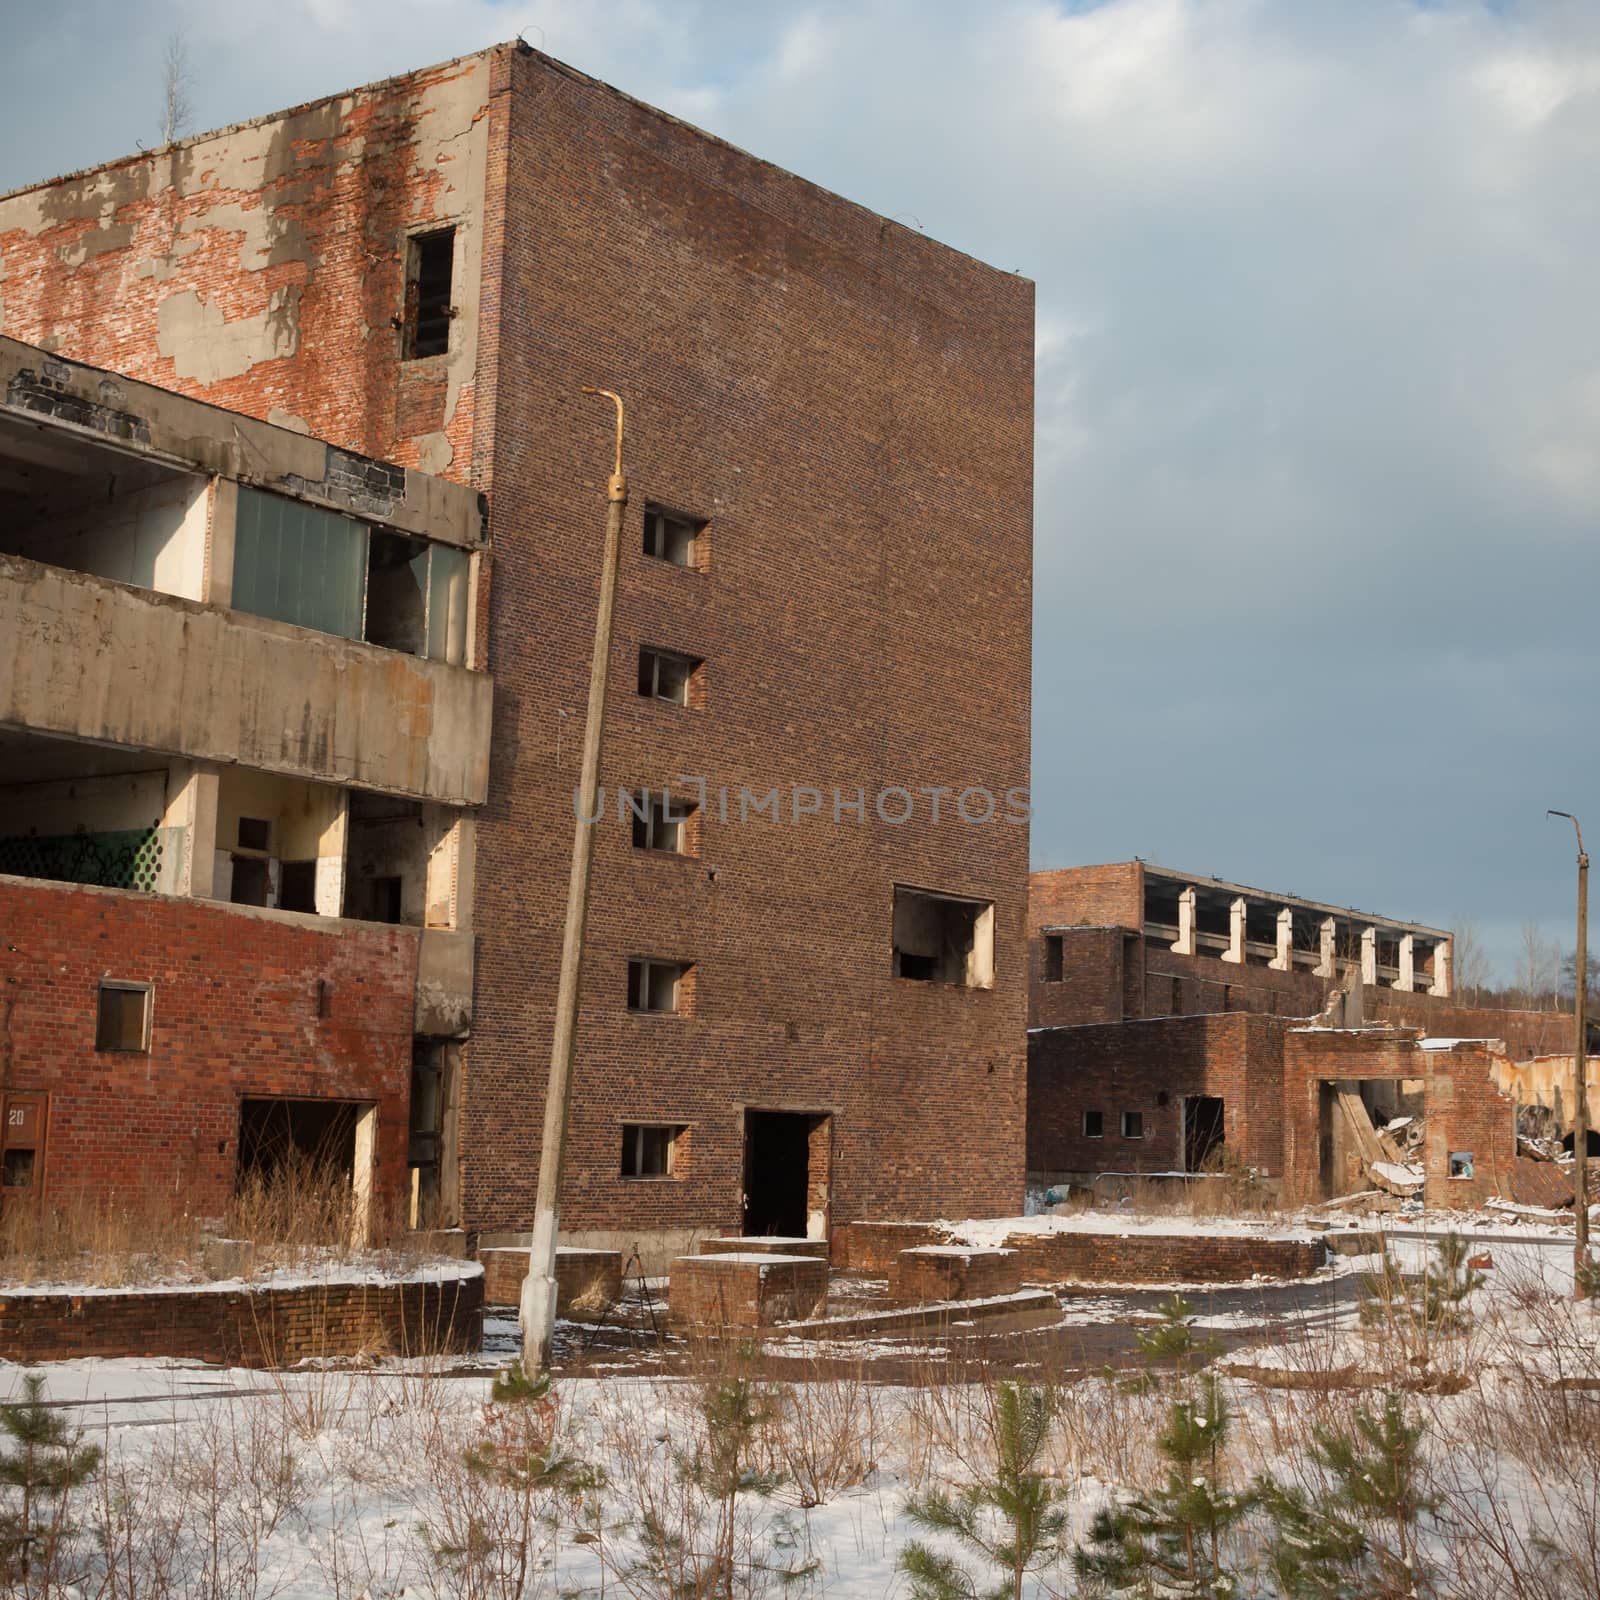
[236, 1010]
[847, 403]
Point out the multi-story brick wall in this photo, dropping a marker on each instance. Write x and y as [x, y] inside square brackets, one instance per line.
[846, 403]
[1150, 1068]
[849, 405]
[236, 1011]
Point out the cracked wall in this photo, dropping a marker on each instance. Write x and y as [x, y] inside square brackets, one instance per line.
[262, 267]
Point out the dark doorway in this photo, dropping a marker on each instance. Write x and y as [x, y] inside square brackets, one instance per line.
[785, 1172]
[1202, 1132]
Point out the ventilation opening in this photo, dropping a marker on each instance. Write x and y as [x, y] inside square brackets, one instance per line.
[428, 294]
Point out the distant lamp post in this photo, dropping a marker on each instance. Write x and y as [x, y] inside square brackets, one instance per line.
[1580, 1087]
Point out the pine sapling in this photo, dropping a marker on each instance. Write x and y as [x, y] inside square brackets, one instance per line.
[44, 1459]
[1170, 1541]
[1013, 1519]
[1357, 1539]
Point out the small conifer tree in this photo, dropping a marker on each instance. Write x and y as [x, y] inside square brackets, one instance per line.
[1013, 1520]
[1357, 1539]
[44, 1460]
[1169, 1541]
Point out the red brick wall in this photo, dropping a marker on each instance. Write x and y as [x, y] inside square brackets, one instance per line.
[874, 1246]
[235, 1013]
[1095, 966]
[1161, 1257]
[1135, 1066]
[254, 1328]
[850, 405]
[1110, 896]
[1464, 1108]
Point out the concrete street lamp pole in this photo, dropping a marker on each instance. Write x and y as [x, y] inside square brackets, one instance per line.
[539, 1287]
[1580, 1089]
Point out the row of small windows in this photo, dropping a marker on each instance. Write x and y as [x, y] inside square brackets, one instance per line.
[1094, 1124]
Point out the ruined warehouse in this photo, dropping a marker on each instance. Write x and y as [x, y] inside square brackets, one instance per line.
[787, 1014]
[1181, 1024]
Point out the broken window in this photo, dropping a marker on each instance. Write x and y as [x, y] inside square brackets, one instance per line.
[1460, 1163]
[942, 939]
[647, 1151]
[671, 537]
[123, 1022]
[655, 985]
[666, 676]
[660, 822]
[1052, 958]
[1133, 1124]
[318, 569]
[397, 590]
[1094, 1124]
[430, 268]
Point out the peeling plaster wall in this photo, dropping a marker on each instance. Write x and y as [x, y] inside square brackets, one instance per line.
[262, 267]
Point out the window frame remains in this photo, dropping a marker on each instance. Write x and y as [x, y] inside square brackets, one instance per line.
[674, 537]
[1133, 1124]
[652, 976]
[661, 822]
[673, 667]
[646, 1143]
[108, 1039]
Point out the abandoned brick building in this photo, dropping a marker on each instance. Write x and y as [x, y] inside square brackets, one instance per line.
[235, 853]
[1180, 1022]
[788, 1002]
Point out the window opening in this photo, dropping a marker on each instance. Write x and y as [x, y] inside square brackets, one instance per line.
[942, 939]
[671, 537]
[655, 985]
[648, 1150]
[666, 676]
[430, 269]
[123, 1019]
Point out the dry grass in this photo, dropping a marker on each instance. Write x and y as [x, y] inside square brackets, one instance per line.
[301, 1212]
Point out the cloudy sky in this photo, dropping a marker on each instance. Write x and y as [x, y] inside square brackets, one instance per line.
[1318, 385]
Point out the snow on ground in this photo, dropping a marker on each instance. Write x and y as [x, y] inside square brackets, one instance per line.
[329, 1482]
